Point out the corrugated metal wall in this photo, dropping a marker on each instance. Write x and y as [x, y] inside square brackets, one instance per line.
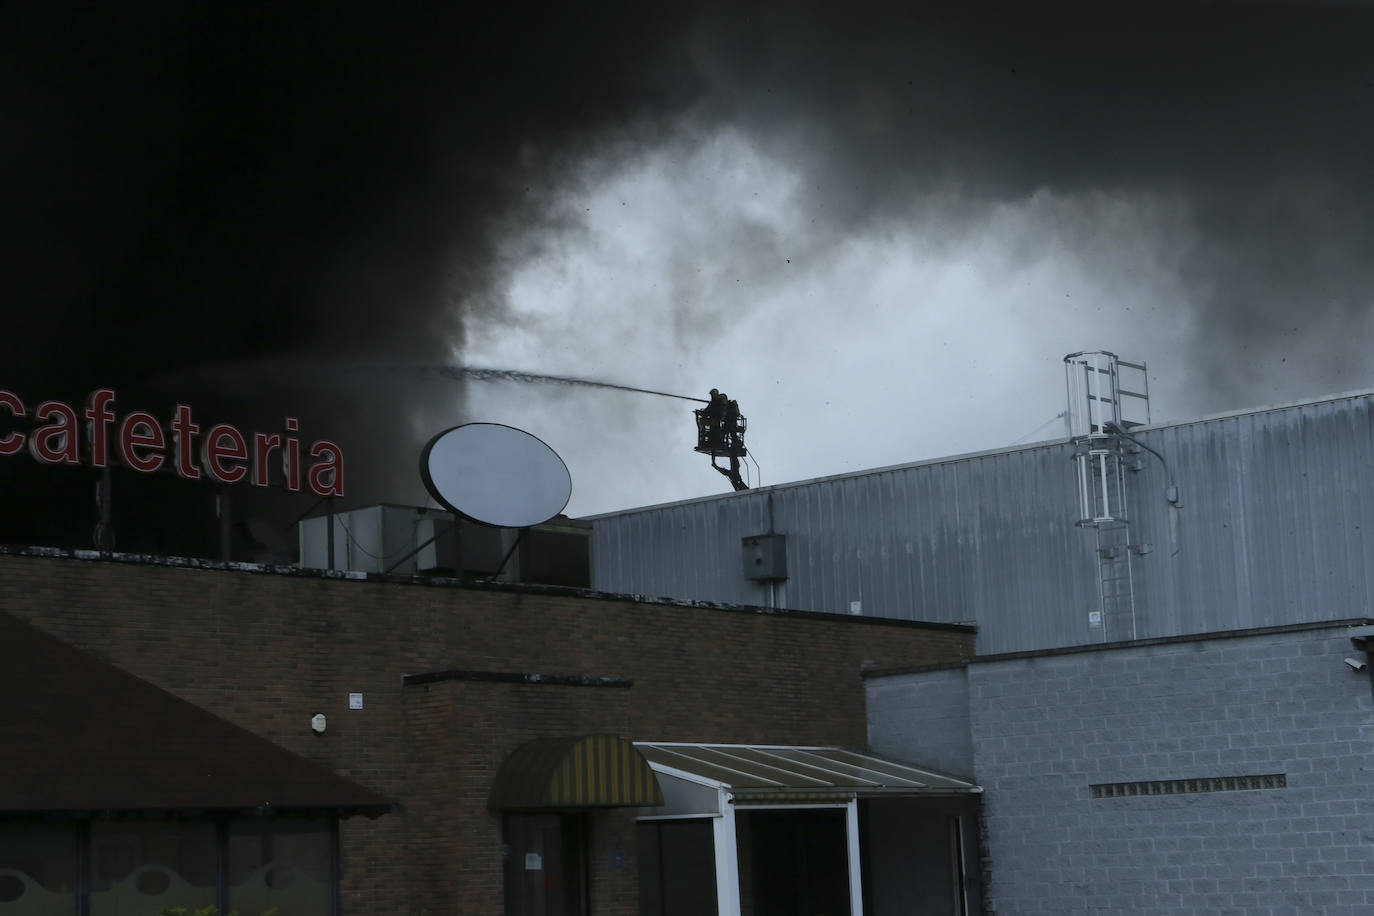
[1275, 528]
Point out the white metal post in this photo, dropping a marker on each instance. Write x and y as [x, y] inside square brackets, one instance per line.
[851, 830]
[1104, 510]
[727, 858]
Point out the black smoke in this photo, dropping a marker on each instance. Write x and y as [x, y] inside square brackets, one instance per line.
[233, 204]
[229, 203]
[1258, 117]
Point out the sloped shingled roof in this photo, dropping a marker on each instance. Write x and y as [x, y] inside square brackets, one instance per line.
[80, 735]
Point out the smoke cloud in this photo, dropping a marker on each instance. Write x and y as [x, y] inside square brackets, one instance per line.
[206, 203]
[237, 207]
[892, 222]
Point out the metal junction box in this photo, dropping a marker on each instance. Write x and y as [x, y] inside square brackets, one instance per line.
[765, 557]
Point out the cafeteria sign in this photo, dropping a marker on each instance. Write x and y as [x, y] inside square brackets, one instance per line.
[141, 442]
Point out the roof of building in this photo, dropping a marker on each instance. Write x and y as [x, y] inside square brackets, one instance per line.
[81, 735]
[1101, 647]
[758, 773]
[1254, 519]
[422, 581]
[1361, 394]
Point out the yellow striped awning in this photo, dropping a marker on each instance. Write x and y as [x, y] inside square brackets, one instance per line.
[590, 771]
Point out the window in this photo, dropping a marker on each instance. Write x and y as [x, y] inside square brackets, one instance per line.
[37, 869]
[279, 864]
[141, 867]
[138, 867]
[677, 868]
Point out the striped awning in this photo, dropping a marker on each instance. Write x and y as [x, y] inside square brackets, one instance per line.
[590, 771]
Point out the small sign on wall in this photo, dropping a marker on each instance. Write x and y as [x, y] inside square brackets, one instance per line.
[355, 701]
[534, 861]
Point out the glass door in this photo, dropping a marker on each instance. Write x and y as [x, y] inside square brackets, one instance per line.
[546, 865]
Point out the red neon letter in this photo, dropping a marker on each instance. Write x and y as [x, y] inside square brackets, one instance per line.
[56, 442]
[138, 431]
[224, 443]
[183, 430]
[263, 445]
[331, 470]
[11, 444]
[100, 416]
[291, 457]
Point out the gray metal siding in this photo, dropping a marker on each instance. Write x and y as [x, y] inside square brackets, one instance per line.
[966, 540]
[1275, 528]
[1276, 523]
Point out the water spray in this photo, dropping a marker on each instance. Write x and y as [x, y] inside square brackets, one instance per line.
[720, 426]
[514, 375]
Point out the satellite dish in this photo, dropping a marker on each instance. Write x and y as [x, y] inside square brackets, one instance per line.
[497, 475]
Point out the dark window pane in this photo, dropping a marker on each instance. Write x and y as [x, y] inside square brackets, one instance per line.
[798, 861]
[282, 864]
[677, 868]
[37, 869]
[650, 879]
[141, 867]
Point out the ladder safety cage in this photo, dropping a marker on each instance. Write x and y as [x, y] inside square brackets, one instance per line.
[1107, 396]
[1097, 404]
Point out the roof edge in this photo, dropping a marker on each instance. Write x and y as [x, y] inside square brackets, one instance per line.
[195, 563]
[290, 811]
[1059, 442]
[1121, 644]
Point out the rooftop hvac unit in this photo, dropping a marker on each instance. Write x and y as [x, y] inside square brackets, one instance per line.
[377, 539]
[406, 540]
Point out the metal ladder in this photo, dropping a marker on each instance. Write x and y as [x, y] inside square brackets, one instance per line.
[1099, 406]
[1115, 589]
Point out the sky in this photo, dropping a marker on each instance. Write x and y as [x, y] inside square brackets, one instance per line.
[879, 227]
[882, 235]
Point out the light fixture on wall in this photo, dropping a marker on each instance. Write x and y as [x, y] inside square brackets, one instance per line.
[317, 723]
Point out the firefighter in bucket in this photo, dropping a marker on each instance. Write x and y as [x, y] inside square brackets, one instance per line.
[720, 434]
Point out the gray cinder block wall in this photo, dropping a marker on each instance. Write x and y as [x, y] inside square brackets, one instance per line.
[1234, 772]
[922, 718]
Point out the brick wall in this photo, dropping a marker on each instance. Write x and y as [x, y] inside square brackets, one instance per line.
[268, 651]
[1047, 728]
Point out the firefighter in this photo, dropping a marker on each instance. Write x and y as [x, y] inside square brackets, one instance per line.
[709, 420]
[729, 423]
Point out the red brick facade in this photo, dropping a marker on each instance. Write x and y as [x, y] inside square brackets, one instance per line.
[268, 650]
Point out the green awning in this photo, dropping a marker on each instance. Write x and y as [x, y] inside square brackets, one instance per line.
[590, 771]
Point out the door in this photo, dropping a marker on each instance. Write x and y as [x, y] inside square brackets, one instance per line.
[546, 865]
